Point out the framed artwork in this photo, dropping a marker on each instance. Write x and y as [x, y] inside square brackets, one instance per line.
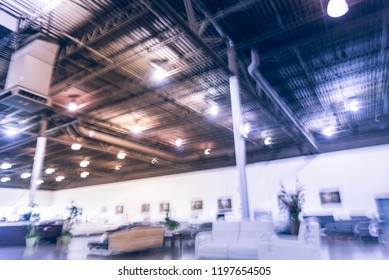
[119, 209]
[224, 204]
[145, 208]
[196, 205]
[330, 197]
[163, 207]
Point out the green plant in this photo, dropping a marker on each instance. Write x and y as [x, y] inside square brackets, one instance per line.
[31, 233]
[169, 223]
[292, 203]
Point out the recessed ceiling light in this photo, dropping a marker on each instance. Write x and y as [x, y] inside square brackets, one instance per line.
[155, 160]
[121, 155]
[5, 179]
[76, 146]
[59, 178]
[25, 175]
[11, 131]
[84, 174]
[136, 128]
[179, 142]
[328, 131]
[72, 106]
[267, 141]
[5, 165]
[214, 110]
[207, 151]
[337, 8]
[39, 182]
[84, 163]
[117, 167]
[49, 170]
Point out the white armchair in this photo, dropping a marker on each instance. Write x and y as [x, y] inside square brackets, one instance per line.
[214, 244]
[304, 247]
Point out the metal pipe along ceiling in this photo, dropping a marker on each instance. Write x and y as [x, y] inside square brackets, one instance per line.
[147, 150]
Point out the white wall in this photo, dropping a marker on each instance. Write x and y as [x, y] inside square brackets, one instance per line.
[359, 174]
[12, 201]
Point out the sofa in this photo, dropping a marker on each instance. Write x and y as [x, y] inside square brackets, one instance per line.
[233, 240]
[136, 239]
[305, 246]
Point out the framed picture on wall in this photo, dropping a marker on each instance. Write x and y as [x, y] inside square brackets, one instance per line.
[196, 205]
[330, 197]
[145, 208]
[119, 209]
[224, 204]
[163, 207]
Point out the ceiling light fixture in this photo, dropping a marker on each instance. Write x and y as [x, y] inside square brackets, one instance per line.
[214, 110]
[352, 105]
[25, 175]
[159, 73]
[59, 178]
[5, 179]
[11, 131]
[179, 142]
[49, 5]
[155, 160]
[76, 146]
[136, 128]
[39, 182]
[267, 141]
[117, 167]
[121, 155]
[72, 106]
[328, 131]
[5, 165]
[207, 151]
[49, 170]
[245, 130]
[84, 174]
[337, 8]
[84, 163]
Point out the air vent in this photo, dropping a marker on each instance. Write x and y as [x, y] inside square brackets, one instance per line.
[23, 99]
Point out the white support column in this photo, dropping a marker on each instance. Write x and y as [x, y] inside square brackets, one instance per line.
[38, 161]
[239, 140]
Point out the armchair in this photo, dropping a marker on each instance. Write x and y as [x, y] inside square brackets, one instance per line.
[305, 247]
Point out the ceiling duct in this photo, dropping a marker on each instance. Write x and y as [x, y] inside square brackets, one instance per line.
[29, 76]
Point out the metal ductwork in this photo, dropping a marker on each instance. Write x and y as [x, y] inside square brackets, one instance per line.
[29, 76]
[92, 134]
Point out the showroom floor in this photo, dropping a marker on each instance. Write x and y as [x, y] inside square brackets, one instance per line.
[77, 250]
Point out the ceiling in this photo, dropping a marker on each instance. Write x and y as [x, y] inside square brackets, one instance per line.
[302, 75]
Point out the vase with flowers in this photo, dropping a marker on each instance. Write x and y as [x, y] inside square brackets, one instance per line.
[292, 203]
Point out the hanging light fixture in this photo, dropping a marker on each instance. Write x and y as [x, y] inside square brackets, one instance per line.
[337, 8]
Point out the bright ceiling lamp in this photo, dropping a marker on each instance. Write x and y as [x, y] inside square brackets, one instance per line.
[5, 179]
[267, 141]
[84, 174]
[39, 182]
[214, 110]
[121, 155]
[76, 146]
[60, 178]
[11, 131]
[84, 163]
[25, 175]
[207, 151]
[328, 131]
[136, 128]
[49, 170]
[337, 8]
[72, 106]
[5, 165]
[179, 142]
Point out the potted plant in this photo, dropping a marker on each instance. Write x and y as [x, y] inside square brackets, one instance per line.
[171, 225]
[66, 236]
[292, 203]
[31, 236]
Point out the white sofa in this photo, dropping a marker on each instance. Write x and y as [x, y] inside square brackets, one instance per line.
[305, 246]
[233, 240]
